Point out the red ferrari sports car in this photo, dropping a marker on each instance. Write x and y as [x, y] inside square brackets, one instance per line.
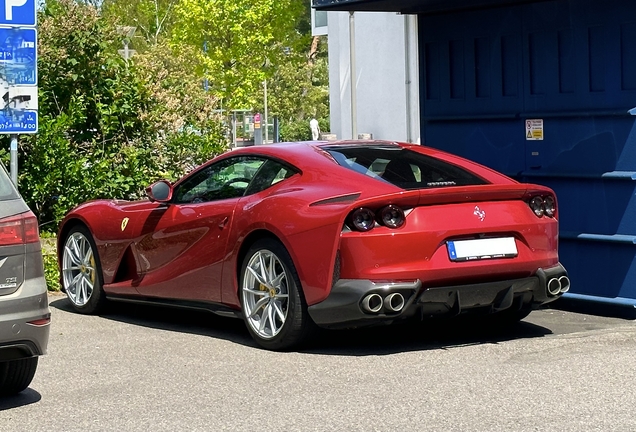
[333, 234]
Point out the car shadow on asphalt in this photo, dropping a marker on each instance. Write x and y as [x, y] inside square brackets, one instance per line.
[421, 336]
[27, 397]
[378, 340]
[194, 321]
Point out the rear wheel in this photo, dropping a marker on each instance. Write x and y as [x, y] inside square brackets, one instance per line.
[81, 271]
[272, 301]
[16, 375]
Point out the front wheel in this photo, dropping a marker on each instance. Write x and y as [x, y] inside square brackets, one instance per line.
[81, 271]
[272, 302]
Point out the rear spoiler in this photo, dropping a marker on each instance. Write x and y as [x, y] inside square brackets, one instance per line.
[455, 195]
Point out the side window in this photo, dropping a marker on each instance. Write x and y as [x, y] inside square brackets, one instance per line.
[228, 178]
[7, 191]
[403, 168]
[268, 175]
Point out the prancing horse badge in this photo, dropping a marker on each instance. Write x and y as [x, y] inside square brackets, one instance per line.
[479, 213]
[124, 223]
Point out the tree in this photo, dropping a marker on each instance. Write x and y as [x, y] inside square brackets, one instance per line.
[152, 18]
[298, 86]
[108, 127]
[79, 65]
[241, 42]
[91, 130]
[190, 126]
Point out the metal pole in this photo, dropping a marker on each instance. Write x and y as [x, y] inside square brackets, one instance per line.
[266, 124]
[407, 72]
[352, 67]
[126, 52]
[234, 129]
[14, 160]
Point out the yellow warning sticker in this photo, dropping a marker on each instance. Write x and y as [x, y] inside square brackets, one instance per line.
[534, 129]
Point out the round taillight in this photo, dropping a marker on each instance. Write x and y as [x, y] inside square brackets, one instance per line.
[536, 204]
[362, 219]
[392, 216]
[549, 206]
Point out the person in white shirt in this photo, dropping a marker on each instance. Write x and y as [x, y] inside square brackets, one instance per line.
[315, 129]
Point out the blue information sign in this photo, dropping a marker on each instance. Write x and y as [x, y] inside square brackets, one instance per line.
[18, 67]
[18, 58]
[18, 80]
[18, 121]
[17, 13]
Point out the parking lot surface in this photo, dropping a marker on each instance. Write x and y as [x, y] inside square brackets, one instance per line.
[139, 368]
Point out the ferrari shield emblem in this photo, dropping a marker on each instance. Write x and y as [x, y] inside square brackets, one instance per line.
[124, 223]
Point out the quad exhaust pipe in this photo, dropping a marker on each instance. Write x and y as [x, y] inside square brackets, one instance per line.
[565, 284]
[394, 302]
[554, 286]
[373, 303]
[559, 285]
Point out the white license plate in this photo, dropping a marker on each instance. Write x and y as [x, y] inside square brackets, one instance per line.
[465, 250]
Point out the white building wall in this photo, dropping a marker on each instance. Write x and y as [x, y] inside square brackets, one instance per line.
[386, 75]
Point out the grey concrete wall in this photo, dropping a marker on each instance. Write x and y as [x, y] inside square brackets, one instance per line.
[386, 75]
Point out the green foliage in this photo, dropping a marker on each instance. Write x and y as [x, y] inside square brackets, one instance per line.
[49, 254]
[79, 65]
[299, 130]
[295, 131]
[251, 41]
[298, 89]
[92, 139]
[151, 18]
[105, 129]
[51, 272]
[245, 42]
[108, 127]
[191, 129]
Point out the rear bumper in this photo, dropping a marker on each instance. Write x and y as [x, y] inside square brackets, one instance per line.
[344, 307]
[19, 337]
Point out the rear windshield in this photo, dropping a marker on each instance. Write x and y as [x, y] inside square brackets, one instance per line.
[402, 167]
[7, 191]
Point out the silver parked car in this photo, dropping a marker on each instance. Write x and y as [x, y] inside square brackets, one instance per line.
[24, 310]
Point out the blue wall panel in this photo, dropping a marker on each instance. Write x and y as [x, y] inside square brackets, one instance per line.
[571, 63]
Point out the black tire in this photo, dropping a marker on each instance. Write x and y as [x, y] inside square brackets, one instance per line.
[96, 299]
[297, 325]
[16, 375]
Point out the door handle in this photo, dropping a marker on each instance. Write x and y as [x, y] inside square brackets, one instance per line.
[224, 222]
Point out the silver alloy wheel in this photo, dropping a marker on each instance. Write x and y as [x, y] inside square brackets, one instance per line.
[265, 294]
[78, 269]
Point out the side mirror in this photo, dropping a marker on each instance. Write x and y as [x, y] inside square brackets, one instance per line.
[160, 191]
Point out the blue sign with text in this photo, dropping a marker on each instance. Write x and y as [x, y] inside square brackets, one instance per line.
[18, 121]
[18, 67]
[18, 80]
[17, 13]
[18, 58]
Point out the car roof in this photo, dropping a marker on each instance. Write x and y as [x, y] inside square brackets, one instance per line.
[304, 154]
[314, 155]
[307, 153]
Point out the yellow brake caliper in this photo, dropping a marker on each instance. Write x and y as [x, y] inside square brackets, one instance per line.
[93, 273]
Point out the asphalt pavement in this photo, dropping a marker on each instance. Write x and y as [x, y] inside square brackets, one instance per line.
[155, 369]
